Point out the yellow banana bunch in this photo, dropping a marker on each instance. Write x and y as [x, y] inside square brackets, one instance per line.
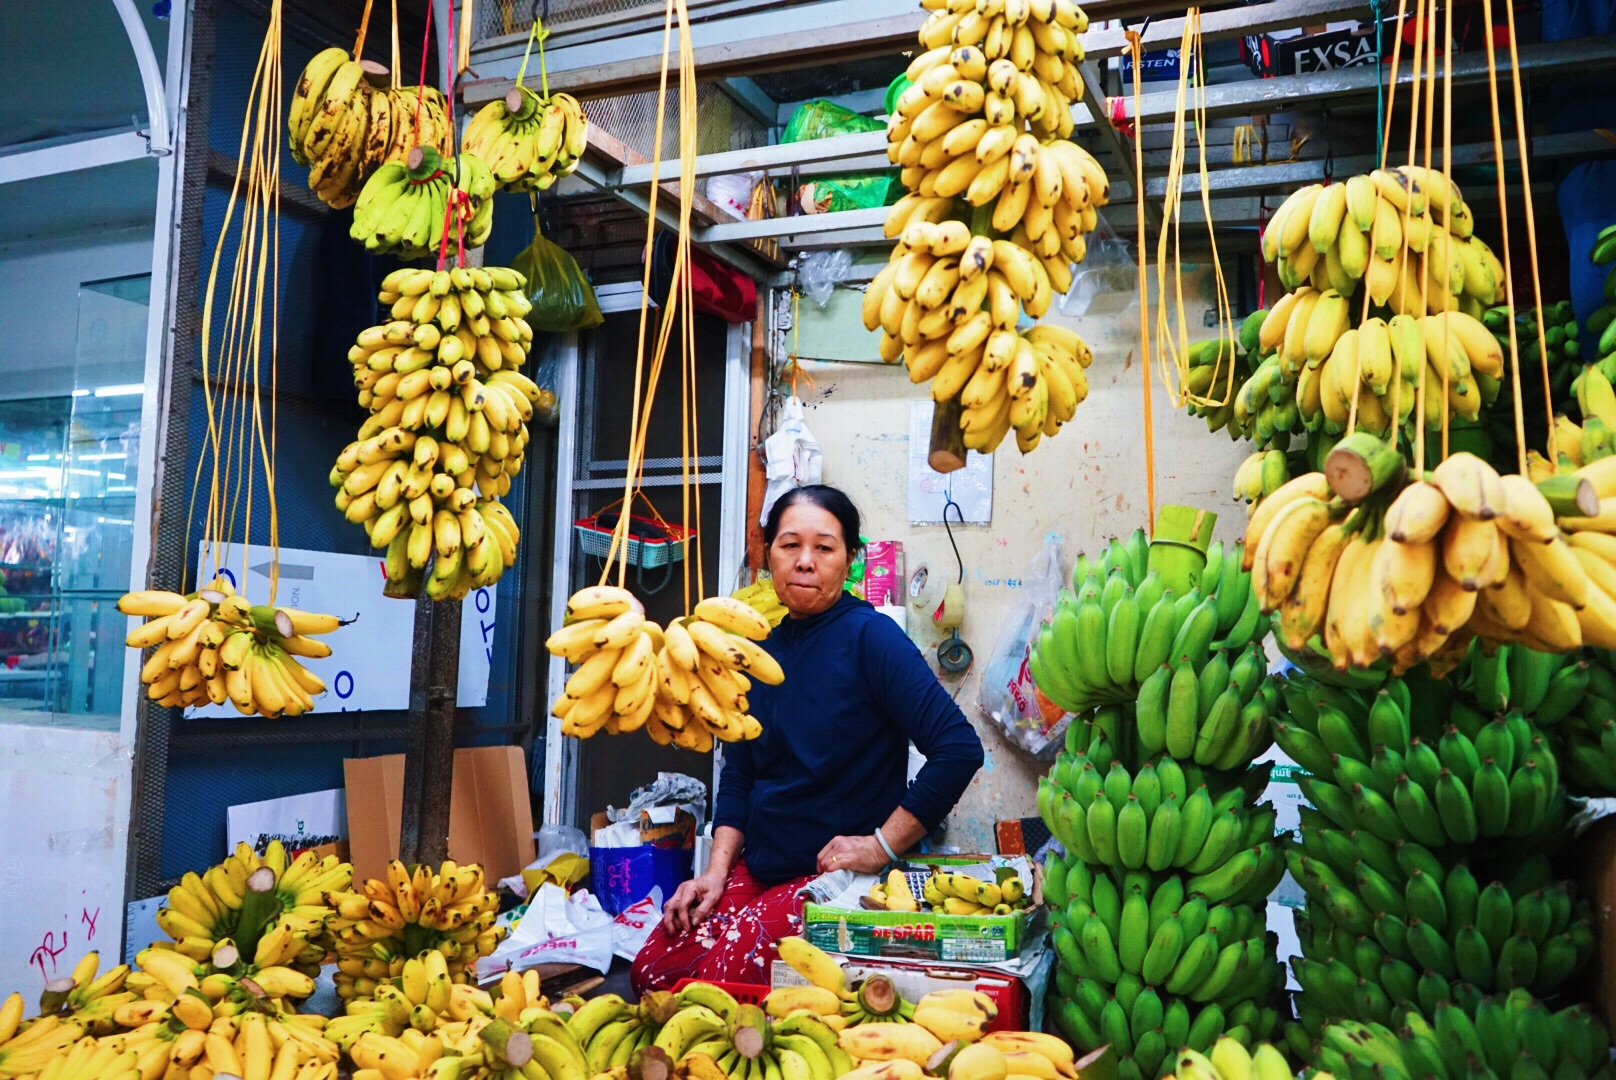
[447, 430]
[1460, 553]
[529, 141]
[250, 1043]
[986, 119]
[1406, 233]
[28, 1049]
[87, 1000]
[686, 684]
[448, 911]
[761, 597]
[245, 903]
[213, 646]
[343, 129]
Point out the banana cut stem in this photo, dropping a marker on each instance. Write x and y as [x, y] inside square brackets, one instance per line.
[1361, 465]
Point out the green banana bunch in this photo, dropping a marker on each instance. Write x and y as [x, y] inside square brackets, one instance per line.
[1471, 1036]
[1545, 686]
[1259, 476]
[1585, 740]
[1604, 249]
[1379, 916]
[1123, 623]
[1249, 394]
[1217, 717]
[1460, 779]
[403, 211]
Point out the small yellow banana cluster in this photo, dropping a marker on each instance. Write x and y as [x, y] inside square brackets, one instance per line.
[528, 140]
[239, 1035]
[963, 894]
[253, 902]
[1019, 1053]
[88, 998]
[448, 910]
[1460, 553]
[213, 646]
[1332, 362]
[686, 684]
[344, 129]
[986, 120]
[475, 1046]
[761, 597]
[1405, 232]
[1259, 476]
[447, 429]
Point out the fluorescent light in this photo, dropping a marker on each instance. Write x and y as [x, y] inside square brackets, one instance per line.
[116, 476]
[120, 488]
[100, 457]
[18, 474]
[83, 472]
[10, 489]
[40, 457]
[81, 393]
[114, 521]
[119, 391]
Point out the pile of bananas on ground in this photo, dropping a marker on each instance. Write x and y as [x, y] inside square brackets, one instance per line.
[475, 1045]
[447, 430]
[685, 684]
[1157, 906]
[528, 140]
[951, 893]
[265, 908]
[1123, 624]
[406, 207]
[1485, 1038]
[212, 646]
[1000, 202]
[379, 927]
[344, 129]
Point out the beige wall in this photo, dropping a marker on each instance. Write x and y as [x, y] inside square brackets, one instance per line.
[1087, 483]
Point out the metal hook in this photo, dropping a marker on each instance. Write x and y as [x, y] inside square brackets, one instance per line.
[949, 501]
[1329, 164]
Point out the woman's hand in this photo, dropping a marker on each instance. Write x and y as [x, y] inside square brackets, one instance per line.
[692, 902]
[860, 854]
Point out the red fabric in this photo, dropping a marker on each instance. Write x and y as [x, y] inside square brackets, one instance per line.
[735, 944]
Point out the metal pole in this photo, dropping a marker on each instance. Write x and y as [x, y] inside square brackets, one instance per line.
[429, 750]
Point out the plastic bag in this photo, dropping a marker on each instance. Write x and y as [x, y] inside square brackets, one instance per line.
[792, 456]
[1107, 282]
[562, 297]
[554, 928]
[852, 191]
[733, 192]
[1008, 694]
[821, 270]
[547, 377]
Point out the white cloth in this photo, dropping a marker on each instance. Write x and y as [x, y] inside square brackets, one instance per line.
[792, 456]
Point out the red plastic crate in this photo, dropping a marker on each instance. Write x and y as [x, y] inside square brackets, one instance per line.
[745, 993]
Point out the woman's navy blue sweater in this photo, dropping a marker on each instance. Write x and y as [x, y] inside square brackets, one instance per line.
[833, 755]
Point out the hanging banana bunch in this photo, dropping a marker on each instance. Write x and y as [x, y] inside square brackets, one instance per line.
[999, 207]
[344, 129]
[407, 207]
[529, 141]
[447, 431]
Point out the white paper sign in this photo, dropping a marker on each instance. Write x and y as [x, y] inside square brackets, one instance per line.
[929, 490]
[313, 819]
[369, 665]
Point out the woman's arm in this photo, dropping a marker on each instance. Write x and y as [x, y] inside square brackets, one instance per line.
[864, 854]
[695, 899]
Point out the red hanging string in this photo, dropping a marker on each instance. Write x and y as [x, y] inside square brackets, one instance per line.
[420, 86]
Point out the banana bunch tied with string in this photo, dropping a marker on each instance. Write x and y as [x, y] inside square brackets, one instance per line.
[212, 646]
[686, 684]
[1488, 1038]
[1122, 624]
[344, 130]
[265, 909]
[1414, 572]
[529, 141]
[1229, 387]
[1405, 233]
[404, 1011]
[406, 207]
[447, 431]
[476, 1046]
[245, 1037]
[968, 346]
[384, 922]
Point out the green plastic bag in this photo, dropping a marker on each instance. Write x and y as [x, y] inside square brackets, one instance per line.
[852, 191]
[562, 297]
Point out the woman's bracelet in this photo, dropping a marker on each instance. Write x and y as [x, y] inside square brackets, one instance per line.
[886, 847]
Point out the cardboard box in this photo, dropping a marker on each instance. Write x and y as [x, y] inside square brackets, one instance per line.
[490, 815]
[921, 935]
[915, 981]
[1297, 52]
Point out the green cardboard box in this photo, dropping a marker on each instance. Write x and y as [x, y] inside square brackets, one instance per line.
[922, 935]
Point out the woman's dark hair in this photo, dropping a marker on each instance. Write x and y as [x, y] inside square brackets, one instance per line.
[832, 500]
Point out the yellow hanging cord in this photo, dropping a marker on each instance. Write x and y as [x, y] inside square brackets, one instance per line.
[398, 59]
[364, 25]
[1137, 50]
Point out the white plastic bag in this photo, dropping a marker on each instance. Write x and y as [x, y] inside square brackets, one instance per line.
[1007, 693]
[733, 191]
[792, 456]
[557, 929]
[820, 272]
[634, 924]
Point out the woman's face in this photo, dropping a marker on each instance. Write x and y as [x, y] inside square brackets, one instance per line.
[808, 559]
